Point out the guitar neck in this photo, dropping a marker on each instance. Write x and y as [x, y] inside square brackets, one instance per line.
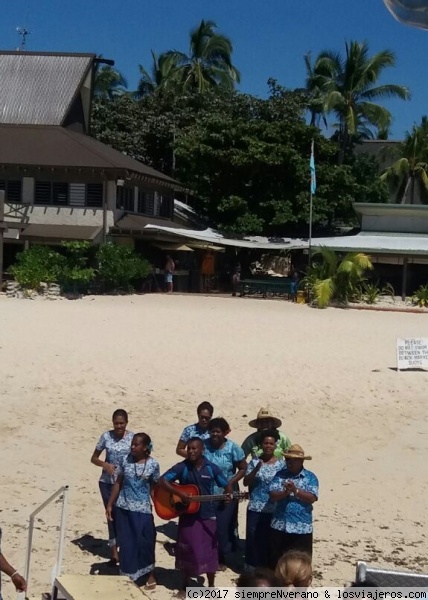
[212, 498]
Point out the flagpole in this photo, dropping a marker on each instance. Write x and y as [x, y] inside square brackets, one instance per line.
[311, 198]
[310, 229]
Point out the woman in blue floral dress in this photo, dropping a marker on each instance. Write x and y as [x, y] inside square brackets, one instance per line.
[116, 443]
[131, 496]
[229, 457]
[260, 473]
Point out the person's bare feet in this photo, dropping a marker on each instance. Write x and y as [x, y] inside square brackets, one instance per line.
[114, 555]
[151, 582]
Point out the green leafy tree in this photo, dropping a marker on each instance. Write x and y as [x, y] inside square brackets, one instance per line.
[348, 86]
[409, 173]
[245, 158]
[337, 279]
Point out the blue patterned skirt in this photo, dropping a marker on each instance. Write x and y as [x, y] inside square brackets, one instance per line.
[136, 538]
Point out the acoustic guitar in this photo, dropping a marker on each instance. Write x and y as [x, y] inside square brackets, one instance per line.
[169, 506]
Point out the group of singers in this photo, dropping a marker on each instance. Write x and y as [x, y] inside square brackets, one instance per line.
[279, 512]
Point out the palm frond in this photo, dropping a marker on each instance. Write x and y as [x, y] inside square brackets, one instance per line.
[324, 290]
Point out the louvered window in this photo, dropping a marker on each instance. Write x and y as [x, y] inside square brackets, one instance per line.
[166, 206]
[94, 195]
[125, 199]
[48, 192]
[13, 189]
[146, 202]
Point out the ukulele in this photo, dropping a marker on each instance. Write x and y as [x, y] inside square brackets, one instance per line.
[169, 506]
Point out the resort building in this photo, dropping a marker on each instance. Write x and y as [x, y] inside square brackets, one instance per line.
[396, 238]
[60, 183]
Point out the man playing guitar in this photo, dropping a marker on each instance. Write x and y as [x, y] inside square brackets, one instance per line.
[196, 551]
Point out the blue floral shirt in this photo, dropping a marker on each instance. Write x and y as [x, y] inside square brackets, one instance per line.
[291, 514]
[137, 477]
[225, 458]
[116, 450]
[259, 494]
[192, 431]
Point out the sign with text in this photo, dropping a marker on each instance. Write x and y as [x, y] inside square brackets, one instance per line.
[412, 353]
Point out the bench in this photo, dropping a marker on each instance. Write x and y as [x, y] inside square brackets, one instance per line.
[267, 288]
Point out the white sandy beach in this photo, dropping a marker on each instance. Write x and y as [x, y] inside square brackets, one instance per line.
[66, 365]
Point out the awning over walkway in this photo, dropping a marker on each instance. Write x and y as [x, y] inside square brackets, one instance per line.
[139, 223]
[60, 232]
[377, 243]
[213, 237]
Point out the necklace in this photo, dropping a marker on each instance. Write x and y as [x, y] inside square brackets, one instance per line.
[144, 469]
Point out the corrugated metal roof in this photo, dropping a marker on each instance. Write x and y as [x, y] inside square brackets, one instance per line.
[214, 237]
[377, 243]
[38, 89]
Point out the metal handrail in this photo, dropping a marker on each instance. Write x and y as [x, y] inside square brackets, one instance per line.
[60, 553]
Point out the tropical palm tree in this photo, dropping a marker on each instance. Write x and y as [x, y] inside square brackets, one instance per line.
[410, 172]
[109, 83]
[348, 87]
[163, 75]
[209, 62]
[316, 95]
[337, 279]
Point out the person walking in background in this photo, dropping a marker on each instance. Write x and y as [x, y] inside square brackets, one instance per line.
[229, 457]
[294, 490]
[169, 274]
[265, 420]
[131, 496]
[260, 474]
[116, 443]
[294, 286]
[236, 279]
[200, 430]
[6, 568]
[197, 543]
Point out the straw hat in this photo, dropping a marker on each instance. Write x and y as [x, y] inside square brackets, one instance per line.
[296, 451]
[264, 413]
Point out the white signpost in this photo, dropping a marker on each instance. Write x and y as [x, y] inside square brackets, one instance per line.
[412, 353]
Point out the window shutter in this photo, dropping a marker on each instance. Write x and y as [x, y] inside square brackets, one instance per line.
[77, 194]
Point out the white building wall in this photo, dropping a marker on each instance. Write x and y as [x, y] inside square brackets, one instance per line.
[27, 190]
[394, 223]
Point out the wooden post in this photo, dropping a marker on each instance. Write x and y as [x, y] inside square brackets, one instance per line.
[2, 227]
[404, 280]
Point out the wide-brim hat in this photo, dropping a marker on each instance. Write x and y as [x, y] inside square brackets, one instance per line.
[264, 413]
[296, 451]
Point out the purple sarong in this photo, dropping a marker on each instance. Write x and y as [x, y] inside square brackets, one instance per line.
[197, 545]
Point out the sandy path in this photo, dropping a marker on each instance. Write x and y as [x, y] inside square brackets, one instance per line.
[66, 365]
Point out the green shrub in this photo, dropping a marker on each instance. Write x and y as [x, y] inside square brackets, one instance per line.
[371, 293]
[420, 297]
[36, 265]
[119, 267]
[76, 275]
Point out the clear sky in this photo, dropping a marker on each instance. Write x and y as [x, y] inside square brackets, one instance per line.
[270, 37]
